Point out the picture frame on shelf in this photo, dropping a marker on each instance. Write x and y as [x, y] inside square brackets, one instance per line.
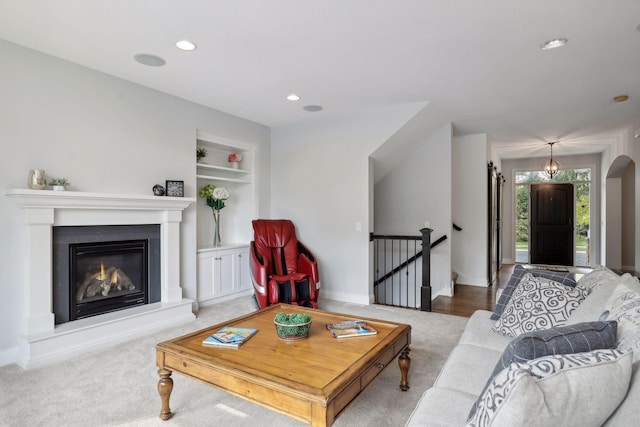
[174, 188]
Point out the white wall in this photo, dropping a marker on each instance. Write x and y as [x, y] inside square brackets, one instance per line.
[628, 218]
[469, 206]
[614, 223]
[419, 192]
[105, 135]
[635, 155]
[621, 220]
[320, 179]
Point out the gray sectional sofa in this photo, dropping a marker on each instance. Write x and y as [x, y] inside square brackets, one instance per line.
[537, 379]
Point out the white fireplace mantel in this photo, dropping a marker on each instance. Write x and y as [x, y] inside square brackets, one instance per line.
[42, 340]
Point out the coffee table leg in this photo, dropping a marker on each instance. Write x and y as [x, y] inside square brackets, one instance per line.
[404, 362]
[165, 386]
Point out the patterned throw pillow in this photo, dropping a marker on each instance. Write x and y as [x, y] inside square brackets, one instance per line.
[569, 339]
[624, 307]
[556, 390]
[600, 276]
[518, 272]
[538, 303]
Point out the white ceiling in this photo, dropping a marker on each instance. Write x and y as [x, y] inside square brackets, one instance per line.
[477, 61]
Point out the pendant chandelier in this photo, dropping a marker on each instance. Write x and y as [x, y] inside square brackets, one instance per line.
[551, 167]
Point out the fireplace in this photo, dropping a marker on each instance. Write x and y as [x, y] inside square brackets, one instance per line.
[47, 214]
[100, 269]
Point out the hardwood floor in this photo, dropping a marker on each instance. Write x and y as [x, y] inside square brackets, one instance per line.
[468, 299]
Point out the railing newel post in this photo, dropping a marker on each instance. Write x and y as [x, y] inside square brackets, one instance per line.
[425, 289]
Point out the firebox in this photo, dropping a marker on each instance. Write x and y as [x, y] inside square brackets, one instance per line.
[107, 276]
[100, 269]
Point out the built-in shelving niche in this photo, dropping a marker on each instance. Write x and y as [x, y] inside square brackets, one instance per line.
[241, 207]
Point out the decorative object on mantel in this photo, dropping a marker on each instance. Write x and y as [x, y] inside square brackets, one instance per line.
[158, 190]
[59, 184]
[37, 179]
[174, 188]
[234, 159]
[201, 153]
[551, 167]
[215, 198]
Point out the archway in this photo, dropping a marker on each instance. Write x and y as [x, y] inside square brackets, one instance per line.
[620, 215]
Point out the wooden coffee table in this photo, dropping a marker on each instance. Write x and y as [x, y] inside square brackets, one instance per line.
[311, 380]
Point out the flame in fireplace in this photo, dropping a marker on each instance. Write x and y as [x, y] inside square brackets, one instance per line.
[101, 274]
[114, 278]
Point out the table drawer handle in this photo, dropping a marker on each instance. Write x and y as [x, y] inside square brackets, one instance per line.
[381, 365]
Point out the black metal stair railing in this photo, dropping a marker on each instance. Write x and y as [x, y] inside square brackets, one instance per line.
[400, 279]
[409, 260]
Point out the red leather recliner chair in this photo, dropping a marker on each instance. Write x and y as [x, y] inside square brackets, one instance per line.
[282, 268]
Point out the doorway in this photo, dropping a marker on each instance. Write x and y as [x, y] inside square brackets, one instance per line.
[551, 224]
[581, 204]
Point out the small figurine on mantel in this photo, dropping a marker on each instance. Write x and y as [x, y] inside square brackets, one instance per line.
[158, 190]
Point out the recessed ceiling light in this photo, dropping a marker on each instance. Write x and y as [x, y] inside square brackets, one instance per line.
[185, 45]
[552, 44]
[150, 60]
[293, 97]
[620, 98]
[312, 108]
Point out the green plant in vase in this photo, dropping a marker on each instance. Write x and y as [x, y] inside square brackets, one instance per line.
[201, 153]
[293, 326]
[59, 184]
[215, 198]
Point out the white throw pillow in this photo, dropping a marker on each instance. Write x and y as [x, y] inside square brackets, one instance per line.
[580, 389]
[600, 275]
[624, 307]
[538, 303]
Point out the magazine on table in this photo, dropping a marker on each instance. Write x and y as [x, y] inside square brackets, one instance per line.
[351, 328]
[230, 336]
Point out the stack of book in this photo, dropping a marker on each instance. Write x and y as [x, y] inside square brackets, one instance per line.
[230, 336]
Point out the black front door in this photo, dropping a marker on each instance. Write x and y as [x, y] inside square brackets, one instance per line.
[551, 213]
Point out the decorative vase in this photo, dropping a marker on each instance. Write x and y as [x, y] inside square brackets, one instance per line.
[58, 187]
[37, 179]
[234, 165]
[216, 229]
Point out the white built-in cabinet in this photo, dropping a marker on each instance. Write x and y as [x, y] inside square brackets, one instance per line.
[223, 271]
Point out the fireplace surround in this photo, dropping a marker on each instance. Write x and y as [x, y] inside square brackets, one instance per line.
[43, 341]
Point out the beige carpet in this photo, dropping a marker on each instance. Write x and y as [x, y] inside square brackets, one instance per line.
[117, 387]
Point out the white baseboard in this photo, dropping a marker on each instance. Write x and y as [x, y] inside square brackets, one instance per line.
[211, 301]
[8, 356]
[346, 297]
[472, 281]
[482, 284]
[442, 293]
